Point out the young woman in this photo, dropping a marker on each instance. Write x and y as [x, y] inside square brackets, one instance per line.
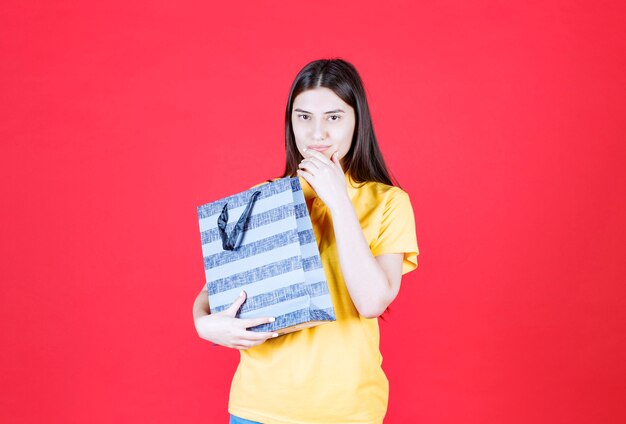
[365, 230]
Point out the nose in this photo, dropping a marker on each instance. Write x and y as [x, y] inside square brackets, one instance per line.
[319, 130]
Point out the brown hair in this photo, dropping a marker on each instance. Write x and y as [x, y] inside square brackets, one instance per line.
[364, 161]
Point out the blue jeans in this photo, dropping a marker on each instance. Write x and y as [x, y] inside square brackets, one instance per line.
[236, 420]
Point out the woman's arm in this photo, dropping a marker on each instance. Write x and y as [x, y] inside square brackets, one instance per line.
[201, 304]
[373, 282]
[223, 328]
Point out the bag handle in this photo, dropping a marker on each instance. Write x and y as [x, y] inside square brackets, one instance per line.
[233, 241]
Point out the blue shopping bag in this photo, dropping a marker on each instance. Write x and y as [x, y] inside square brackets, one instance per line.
[261, 240]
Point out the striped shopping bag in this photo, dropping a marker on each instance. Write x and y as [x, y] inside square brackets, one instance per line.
[261, 240]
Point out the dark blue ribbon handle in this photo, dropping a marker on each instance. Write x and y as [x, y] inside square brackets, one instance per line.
[233, 241]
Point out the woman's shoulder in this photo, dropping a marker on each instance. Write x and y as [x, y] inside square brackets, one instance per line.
[378, 190]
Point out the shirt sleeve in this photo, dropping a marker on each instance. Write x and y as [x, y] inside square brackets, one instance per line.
[397, 230]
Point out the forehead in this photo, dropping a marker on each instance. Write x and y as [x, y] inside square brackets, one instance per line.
[319, 99]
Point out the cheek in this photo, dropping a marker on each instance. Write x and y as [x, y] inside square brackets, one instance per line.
[346, 137]
[298, 132]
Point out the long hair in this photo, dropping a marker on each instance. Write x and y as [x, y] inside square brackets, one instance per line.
[364, 161]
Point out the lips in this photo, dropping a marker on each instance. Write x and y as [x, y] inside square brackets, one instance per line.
[318, 147]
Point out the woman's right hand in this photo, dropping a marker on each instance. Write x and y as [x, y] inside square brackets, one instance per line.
[224, 329]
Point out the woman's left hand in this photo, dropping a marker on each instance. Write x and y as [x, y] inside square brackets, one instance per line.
[325, 176]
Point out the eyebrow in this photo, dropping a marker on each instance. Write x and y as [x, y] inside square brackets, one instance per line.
[330, 111]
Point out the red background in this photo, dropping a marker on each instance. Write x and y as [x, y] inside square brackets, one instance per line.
[503, 120]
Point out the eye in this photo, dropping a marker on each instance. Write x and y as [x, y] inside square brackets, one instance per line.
[334, 116]
[303, 116]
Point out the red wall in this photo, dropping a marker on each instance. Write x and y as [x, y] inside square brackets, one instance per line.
[503, 120]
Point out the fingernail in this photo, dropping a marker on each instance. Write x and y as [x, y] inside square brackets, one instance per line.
[241, 294]
[272, 319]
[274, 335]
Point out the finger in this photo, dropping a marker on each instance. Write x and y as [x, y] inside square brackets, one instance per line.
[306, 175]
[320, 163]
[336, 161]
[311, 153]
[239, 346]
[253, 322]
[247, 345]
[315, 166]
[258, 335]
[251, 342]
[309, 164]
[232, 309]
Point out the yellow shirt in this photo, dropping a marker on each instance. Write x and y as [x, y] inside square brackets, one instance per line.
[330, 373]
